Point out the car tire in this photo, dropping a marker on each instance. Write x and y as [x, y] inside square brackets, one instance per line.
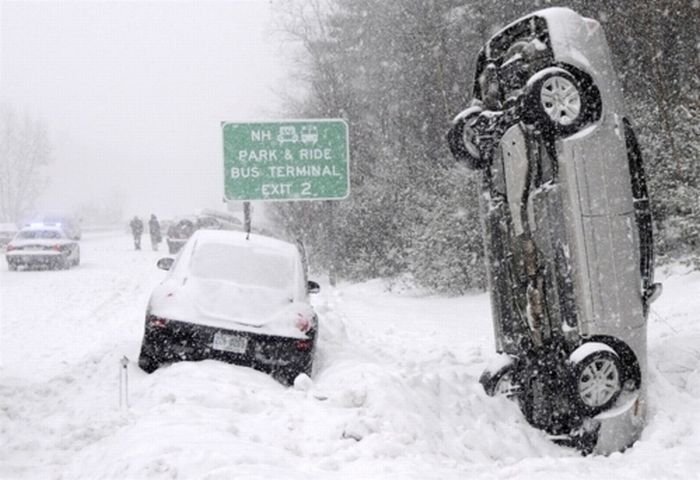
[12, 266]
[148, 362]
[461, 139]
[287, 374]
[500, 381]
[555, 102]
[597, 377]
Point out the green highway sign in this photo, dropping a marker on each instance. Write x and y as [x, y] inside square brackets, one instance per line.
[286, 160]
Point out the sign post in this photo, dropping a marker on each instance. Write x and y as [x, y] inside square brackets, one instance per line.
[286, 160]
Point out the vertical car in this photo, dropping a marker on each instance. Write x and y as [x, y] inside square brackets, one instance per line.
[567, 229]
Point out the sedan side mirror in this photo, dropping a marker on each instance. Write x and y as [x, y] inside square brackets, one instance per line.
[165, 263]
[313, 287]
[652, 293]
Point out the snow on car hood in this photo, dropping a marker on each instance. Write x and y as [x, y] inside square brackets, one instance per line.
[231, 306]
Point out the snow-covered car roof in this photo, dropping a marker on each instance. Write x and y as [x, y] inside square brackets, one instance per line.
[42, 226]
[224, 276]
[41, 232]
[234, 256]
[239, 238]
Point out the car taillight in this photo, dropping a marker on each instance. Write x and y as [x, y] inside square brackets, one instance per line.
[56, 247]
[157, 322]
[9, 248]
[303, 345]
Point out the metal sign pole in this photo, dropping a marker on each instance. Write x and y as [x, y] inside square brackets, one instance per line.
[246, 217]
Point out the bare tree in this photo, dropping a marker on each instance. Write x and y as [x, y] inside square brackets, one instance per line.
[24, 152]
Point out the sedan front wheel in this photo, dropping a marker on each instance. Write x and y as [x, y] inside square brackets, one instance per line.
[597, 377]
[556, 102]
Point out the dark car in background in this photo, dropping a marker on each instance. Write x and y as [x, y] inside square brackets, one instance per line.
[41, 245]
[567, 226]
[179, 231]
[182, 228]
[237, 298]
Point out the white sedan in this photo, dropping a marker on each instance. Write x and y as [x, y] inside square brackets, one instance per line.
[233, 297]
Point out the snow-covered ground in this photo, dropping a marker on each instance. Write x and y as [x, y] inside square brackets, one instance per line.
[394, 396]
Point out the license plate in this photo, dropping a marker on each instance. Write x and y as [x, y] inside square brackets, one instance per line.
[229, 343]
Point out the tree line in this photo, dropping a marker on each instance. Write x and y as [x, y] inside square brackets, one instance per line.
[24, 153]
[399, 71]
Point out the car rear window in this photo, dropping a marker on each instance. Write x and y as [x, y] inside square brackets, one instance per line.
[40, 234]
[243, 265]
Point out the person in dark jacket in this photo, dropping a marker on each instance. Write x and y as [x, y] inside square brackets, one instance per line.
[154, 230]
[136, 230]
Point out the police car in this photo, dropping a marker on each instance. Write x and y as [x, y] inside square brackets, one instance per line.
[42, 245]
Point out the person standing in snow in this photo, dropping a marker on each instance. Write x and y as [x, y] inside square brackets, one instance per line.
[136, 230]
[154, 230]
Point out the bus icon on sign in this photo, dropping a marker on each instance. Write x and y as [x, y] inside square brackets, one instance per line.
[287, 135]
[309, 134]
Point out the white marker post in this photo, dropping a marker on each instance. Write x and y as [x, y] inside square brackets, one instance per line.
[124, 383]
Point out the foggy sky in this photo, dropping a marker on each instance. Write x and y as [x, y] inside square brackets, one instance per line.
[133, 94]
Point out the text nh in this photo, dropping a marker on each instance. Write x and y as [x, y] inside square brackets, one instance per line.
[261, 135]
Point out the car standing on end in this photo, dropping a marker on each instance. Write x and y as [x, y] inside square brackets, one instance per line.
[235, 297]
[567, 229]
[42, 245]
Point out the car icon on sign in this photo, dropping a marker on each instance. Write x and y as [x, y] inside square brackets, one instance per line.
[309, 134]
[287, 135]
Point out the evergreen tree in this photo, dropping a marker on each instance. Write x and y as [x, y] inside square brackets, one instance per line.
[398, 71]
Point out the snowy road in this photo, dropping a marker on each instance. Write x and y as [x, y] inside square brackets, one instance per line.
[394, 396]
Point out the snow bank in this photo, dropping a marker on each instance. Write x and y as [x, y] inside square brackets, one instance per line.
[394, 395]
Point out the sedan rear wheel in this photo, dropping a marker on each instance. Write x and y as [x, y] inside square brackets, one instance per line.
[506, 386]
[147, 360]
[500, 381]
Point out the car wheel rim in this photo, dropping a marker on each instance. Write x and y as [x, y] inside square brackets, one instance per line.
[505, 386]
[561, 100]
[470, 142]
[599, 382]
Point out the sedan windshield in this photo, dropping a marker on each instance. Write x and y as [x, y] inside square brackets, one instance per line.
[243, 265]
